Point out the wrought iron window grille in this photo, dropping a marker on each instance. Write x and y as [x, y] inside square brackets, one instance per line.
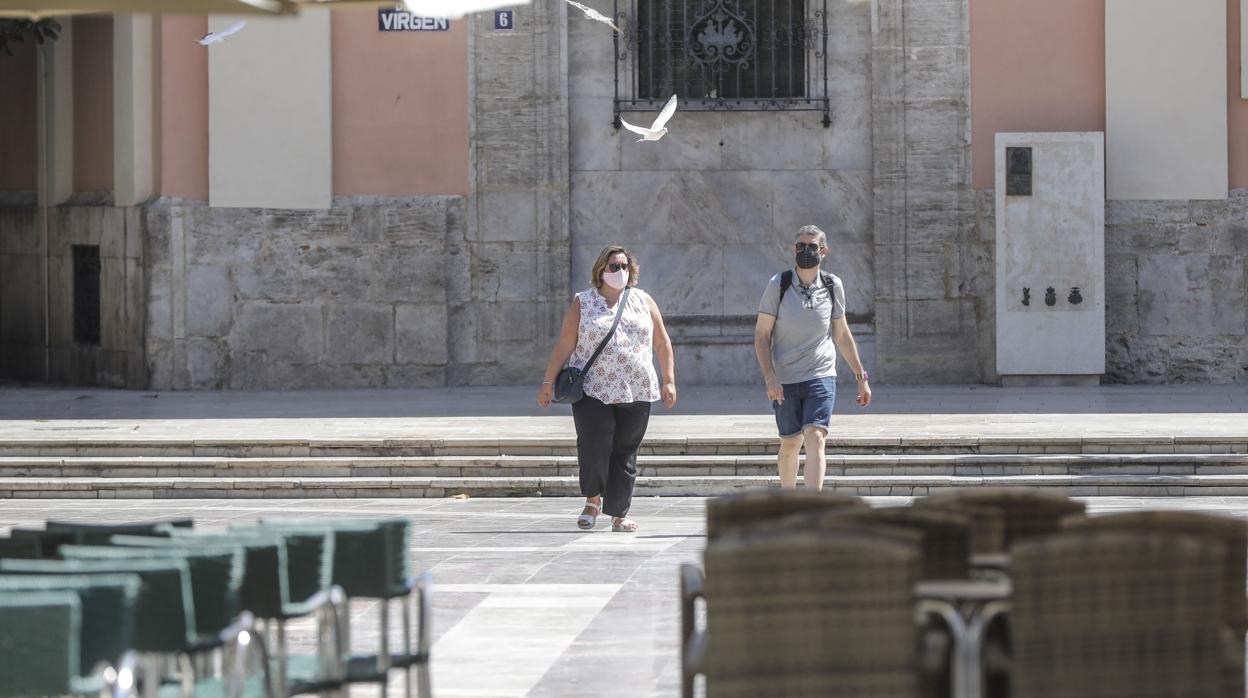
[722, 55]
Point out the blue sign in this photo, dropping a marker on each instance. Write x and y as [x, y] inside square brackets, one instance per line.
[394, 20]
[504, 19]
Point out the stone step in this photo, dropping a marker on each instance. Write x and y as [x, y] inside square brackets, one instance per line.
[872, 485]
[99, 446]
[547, 466]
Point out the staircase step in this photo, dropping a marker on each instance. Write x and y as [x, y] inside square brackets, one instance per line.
[96, 446]
[872, 485]
[546, 466]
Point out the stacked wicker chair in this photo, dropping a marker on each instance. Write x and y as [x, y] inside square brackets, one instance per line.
[1231, 532]
[819, 613]
[747, 510]
[1107, 614]
[1023, 512]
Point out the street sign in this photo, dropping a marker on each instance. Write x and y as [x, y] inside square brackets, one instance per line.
[395, 20]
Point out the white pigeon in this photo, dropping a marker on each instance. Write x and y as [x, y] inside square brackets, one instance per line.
[455, 9]
[658, 129]
[218, 37]
[593, 14]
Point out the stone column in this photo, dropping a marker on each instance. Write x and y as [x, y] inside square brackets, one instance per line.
[508, 274]
[923, 207]
[133, 181]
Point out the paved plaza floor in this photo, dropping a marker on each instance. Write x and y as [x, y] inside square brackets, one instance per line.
[524, 604]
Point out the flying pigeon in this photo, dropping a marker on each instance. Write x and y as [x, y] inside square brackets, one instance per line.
[218, 37]
[455, 9]
[657, 130]
[593, 14]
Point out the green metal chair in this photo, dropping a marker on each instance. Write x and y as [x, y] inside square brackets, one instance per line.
[20, 548]
[107, 603]
[39, 643]
[98, 534]
[286, 576]
[371, 560]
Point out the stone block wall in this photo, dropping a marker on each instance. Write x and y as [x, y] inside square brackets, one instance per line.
[711, 210]
[1176, 289]
[351, 296]
[117, 361]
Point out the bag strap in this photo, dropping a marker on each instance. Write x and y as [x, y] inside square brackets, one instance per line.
[603, 344]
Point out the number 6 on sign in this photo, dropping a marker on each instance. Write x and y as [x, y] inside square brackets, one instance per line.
[503, 19]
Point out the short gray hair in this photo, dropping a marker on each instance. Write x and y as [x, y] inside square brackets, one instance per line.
[812, 230]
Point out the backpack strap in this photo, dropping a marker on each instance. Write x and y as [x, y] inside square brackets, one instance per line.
[786, 280]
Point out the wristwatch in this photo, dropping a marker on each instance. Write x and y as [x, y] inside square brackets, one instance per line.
[862, 376]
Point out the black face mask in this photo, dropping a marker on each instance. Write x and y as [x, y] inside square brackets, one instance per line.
[807, 258]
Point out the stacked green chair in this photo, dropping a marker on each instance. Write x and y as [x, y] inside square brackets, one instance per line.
[107, 619]
[286, 576]
[98, 534]
[39, 643]
[21, 548]
[371, 560]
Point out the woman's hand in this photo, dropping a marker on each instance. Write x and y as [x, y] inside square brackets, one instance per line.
[545, 394]
[669, 395]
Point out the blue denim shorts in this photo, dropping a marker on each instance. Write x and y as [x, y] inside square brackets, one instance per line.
[806, 404]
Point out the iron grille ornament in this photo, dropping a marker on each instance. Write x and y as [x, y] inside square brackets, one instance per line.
[722, 55]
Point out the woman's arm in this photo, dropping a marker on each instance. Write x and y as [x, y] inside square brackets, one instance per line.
[667, 357]
[562, 351]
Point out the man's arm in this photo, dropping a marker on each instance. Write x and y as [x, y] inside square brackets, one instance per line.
[762, 351]
[844, 340]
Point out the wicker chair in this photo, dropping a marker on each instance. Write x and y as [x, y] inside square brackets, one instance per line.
[813, 613]
[1232, 532]
[1025, 512]
[1112, 614]
[747, 509]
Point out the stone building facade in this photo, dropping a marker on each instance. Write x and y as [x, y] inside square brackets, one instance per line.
[462, 279]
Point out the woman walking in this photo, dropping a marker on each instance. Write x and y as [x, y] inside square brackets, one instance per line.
[620, 385]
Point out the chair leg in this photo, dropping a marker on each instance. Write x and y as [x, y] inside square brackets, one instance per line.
[283, 690]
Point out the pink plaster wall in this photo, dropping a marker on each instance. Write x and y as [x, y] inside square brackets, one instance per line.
[1035, 66]
[19, 126]
[400, 101]
[93, 104]
[181, 98]
[1040, 66]
[1237, 116]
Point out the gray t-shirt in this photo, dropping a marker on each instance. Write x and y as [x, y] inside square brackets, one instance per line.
[801, 342]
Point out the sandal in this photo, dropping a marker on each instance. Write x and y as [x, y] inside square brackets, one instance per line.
[587, 521]
[623, 524]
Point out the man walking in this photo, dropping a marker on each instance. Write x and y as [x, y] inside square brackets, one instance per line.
[801, 323]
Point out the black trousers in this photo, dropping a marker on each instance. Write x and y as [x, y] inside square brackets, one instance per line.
[607, 438]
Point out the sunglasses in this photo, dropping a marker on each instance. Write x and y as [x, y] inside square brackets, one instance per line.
[812, 246]
[617, 266]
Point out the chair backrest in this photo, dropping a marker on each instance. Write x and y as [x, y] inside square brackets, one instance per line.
[1231, 531]
[1099, 613]
[48, 541]
[811, 613]
[263, 587]
[371, 557]
[20, 548]
[164, 613]
[215, 572]
[946, 543]
[107, 602]
[98, 534]
[749, 508]
[1025, 512]
[39, 643]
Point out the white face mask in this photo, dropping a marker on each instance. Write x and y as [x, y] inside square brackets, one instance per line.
[616, 279]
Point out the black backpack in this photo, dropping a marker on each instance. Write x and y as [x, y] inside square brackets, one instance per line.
[786, 280]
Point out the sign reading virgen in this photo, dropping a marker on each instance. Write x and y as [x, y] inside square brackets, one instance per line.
[399, 20]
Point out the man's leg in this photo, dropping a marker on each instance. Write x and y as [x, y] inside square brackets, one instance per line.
[790, 448]
[816, 465]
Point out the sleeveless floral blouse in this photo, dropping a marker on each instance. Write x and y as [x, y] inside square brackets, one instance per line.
[624, 371]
